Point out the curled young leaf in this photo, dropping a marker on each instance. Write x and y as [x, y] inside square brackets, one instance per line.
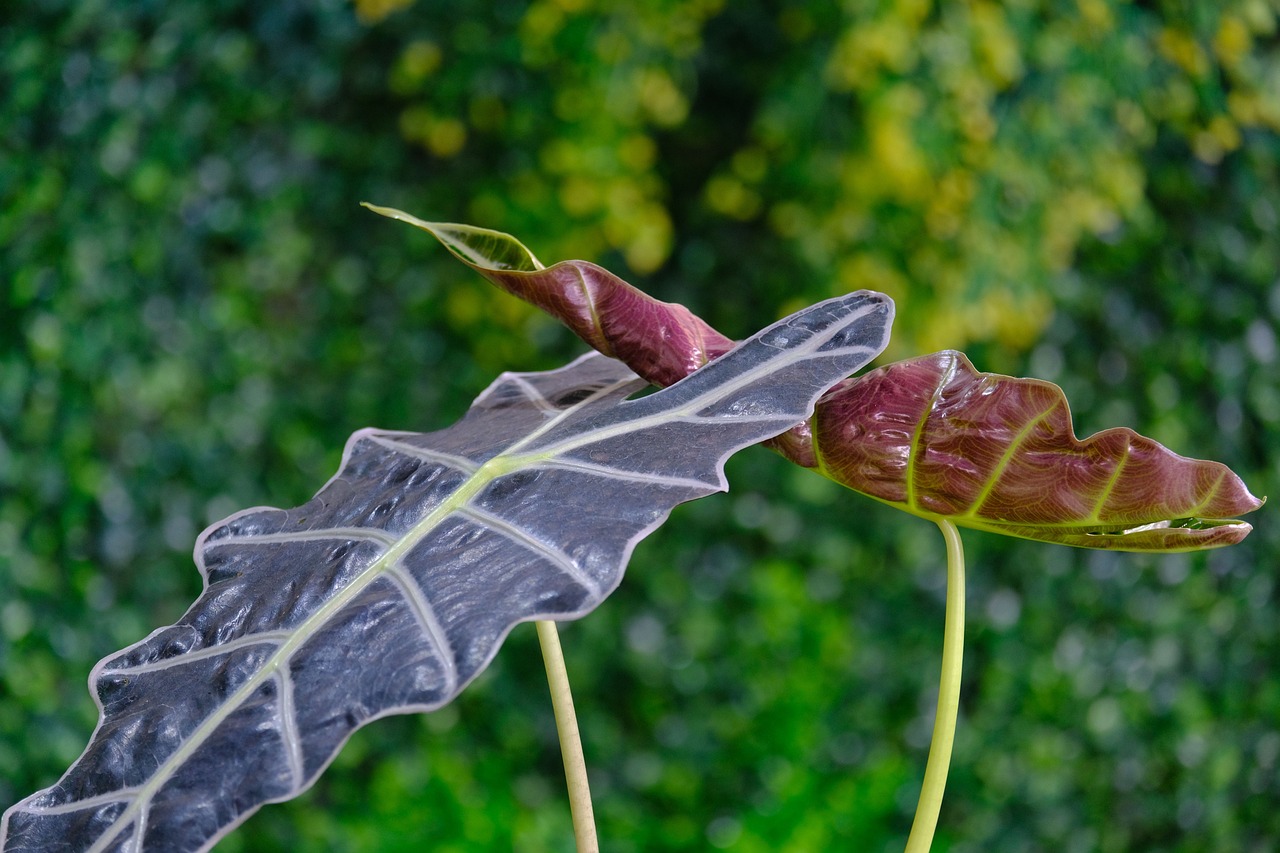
[934, 437]
[661, 341]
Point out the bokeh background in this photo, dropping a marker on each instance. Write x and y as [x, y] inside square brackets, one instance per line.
[195, 313]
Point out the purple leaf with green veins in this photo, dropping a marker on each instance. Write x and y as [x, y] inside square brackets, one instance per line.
[929, 435]
[394, 586]
[936, 438]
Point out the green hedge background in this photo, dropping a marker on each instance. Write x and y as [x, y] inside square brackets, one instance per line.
[195, 313]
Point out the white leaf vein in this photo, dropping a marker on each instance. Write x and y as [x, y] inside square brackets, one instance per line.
[449, 460]
[388, 565]
[425, 614]
[523, 537]
[727, 418]
[289, 734]
[272, 638]
[121, 795]
[140, 827]
[610, 472]
[325, 534]
[722, 390]
[532, 394]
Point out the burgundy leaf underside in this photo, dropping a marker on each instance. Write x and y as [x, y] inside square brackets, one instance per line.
[939, 439]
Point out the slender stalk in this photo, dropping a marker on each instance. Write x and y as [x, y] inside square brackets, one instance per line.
[944, 724]
[575, 765]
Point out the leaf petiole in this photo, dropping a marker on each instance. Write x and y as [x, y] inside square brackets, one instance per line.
[575, 766]
[944, 724]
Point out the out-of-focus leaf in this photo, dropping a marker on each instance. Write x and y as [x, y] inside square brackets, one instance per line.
[394, 586]
[929, 435]
[933, 436]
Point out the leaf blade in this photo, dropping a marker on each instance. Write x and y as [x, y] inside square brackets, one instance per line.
[393, 587]
[936, 438]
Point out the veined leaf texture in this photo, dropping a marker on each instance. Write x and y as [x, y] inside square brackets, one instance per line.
[394, 586]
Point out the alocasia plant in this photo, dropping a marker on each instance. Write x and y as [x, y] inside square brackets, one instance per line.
[929, 435]
[393, 587]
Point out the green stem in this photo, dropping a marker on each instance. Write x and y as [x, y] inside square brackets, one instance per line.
[944, 724]
[575, 766]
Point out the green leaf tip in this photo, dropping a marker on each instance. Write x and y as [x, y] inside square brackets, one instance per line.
[661, 341]
[934, 437]
[479, 248]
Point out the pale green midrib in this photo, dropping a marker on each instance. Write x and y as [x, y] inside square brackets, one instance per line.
[970, 517]
[491, 470]
[914, 448]
[494, 468]
[1095, 517]
[997, 471]
[486, 474]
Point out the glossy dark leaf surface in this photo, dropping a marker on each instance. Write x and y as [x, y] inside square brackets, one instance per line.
[393, 587]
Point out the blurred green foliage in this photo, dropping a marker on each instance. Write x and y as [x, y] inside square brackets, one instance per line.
[194, 314]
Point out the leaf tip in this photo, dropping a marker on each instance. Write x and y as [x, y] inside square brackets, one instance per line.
[391, 213]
